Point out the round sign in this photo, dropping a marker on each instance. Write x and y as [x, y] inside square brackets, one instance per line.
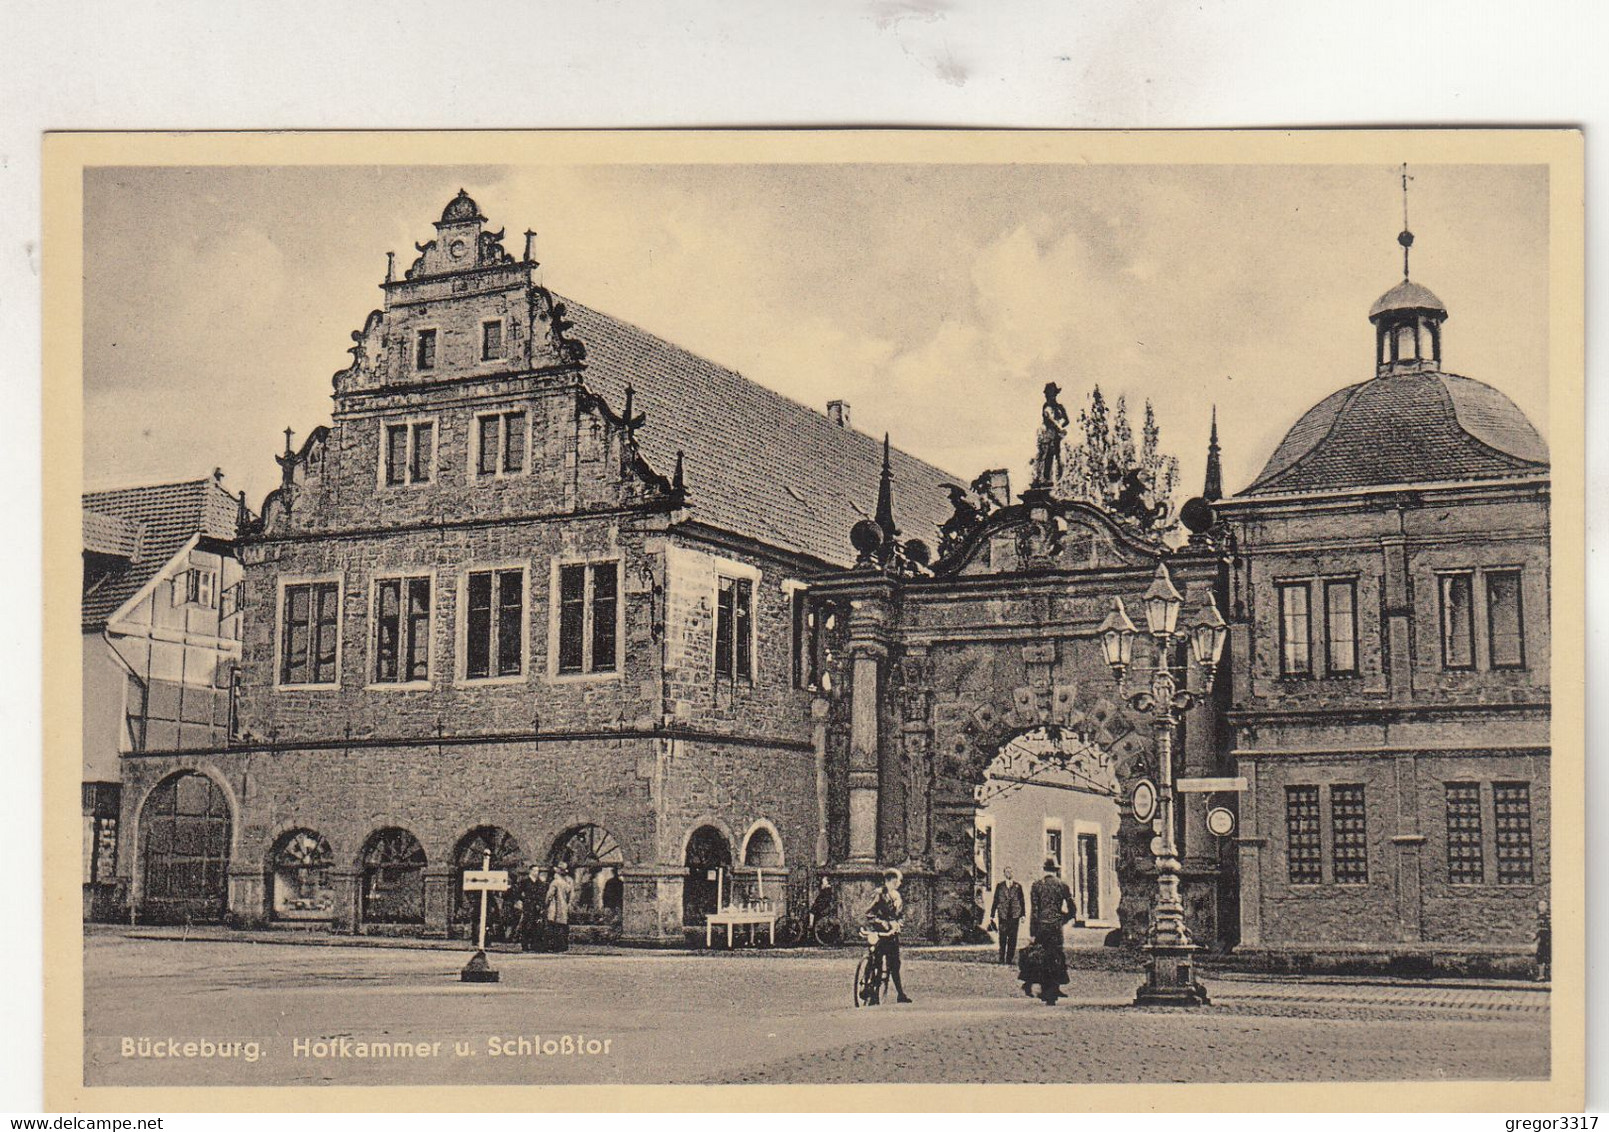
[1220, 822]
[1142, 800]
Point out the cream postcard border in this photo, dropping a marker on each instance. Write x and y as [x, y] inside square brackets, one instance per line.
[67, 155]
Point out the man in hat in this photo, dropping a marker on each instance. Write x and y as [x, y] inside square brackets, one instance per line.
[1006, 912]
[1052, 430]
[560, 892]
[1050, 904]
[531, 894]
[884, 918]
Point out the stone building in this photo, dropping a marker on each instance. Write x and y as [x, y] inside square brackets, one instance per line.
[161, 629]
[1391, 708]
[534, 591]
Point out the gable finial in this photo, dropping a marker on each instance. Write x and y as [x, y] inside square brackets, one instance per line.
[1213, 490]
[1405, 237]
[885, 495]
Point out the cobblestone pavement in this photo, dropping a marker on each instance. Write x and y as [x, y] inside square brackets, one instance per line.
[672, 1018]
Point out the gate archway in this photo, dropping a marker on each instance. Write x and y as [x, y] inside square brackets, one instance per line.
[1051, 794]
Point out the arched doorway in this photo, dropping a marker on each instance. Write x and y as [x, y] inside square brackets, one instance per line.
[595, 859]
[1051, 793]
[393, 878]
[185, 830]
[299, 877]
[709, 863]
[470, 853]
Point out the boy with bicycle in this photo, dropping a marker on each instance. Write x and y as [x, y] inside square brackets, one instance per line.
[884, 918]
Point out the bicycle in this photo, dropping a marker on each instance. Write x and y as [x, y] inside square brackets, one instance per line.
[871, 973]
[826, 933]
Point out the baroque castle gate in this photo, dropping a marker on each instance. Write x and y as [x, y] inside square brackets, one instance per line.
[926, 672]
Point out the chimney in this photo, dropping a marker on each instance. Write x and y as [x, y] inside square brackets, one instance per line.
[994, 486]
[838, 412]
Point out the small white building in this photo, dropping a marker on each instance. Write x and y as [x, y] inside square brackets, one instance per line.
[161, 628]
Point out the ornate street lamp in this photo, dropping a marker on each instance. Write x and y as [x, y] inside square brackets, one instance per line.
[1170, 964]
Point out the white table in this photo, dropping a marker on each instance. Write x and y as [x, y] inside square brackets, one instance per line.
[732, 917]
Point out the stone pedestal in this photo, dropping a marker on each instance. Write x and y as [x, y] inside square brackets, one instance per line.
[651, 913]
[1170, 978]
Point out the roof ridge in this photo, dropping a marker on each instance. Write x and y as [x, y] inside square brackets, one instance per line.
[197, 482]
[740, 375]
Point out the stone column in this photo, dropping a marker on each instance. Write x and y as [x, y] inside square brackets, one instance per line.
[868, 651]
[439, 896]
[248, 896]
[863, 769]
[916, 741]
[346, 886]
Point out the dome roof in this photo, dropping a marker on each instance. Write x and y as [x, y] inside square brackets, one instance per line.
[462, 207]
[1415, 427]
[1407, 296]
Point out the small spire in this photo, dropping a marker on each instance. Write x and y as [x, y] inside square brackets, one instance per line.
[289, 432]
[1405, 237]
[390, 267]
[885, 495]
[1214, 488]
[678, 484]
[530, 245]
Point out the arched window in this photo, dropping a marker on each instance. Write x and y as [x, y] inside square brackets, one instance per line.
[594, 858]
[393, 878]
[762, 850]
[301, 877]
[185, 833]
[471, 854]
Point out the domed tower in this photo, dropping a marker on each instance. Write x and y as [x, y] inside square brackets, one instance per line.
[1412, 423]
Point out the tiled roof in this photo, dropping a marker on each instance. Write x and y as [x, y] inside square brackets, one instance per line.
[110, 535]
[1404, 428]
[166, 516]
[756, 464]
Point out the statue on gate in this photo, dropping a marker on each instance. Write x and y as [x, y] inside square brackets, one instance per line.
[1053, 423]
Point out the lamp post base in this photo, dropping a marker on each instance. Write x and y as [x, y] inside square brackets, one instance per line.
[477, 970]
[1170, 978]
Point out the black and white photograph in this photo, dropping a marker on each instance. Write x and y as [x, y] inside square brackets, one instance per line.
[872, 609]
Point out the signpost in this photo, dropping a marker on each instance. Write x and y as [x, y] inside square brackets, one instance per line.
[1210, 785]
[482, 880]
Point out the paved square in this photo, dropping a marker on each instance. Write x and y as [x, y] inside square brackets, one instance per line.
[354, 1015]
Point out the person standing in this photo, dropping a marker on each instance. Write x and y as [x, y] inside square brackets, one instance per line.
[1006, 914]
[1050, 907]
[531, 894]
[561, 892]
[884, 917]
[823, 909]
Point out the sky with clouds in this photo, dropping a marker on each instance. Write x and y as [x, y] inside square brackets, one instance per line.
[936, 299]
